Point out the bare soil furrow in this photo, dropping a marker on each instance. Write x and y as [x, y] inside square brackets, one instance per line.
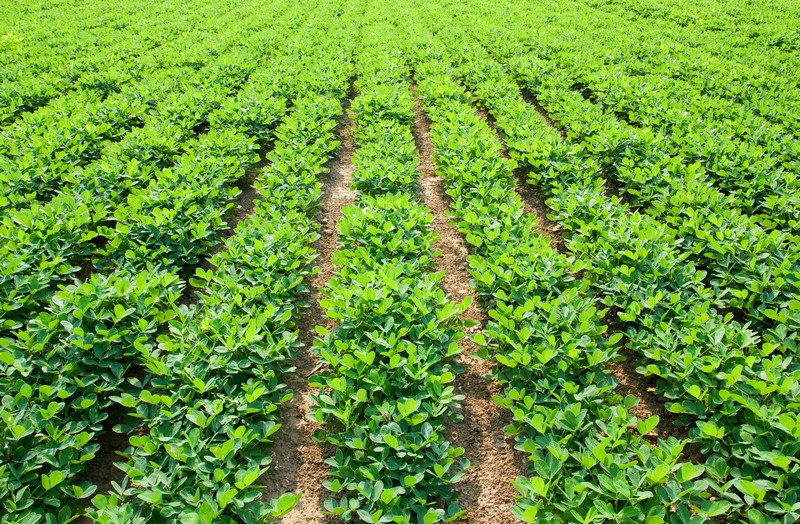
[299, 462]
[485, 492]
[532, 200]
[531, 99]
[633, 383]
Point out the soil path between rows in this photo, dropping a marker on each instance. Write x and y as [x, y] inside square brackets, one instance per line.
[298, 463]
[486, 492]
[244, 207]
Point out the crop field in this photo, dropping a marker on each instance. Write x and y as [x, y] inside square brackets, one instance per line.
[321, 261]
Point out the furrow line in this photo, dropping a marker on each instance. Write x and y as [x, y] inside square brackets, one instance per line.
[629, 381]
[299, 462]
[485, 491]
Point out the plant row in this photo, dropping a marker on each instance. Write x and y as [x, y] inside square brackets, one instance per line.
[751, 270]
[158, 194]
[210, 407]
[138, 179]
[754, 271]
[742, 154]
[741, 392]
[219, 158]
[388, 386]
[719, 56]
[71, 51]
[590, 459]
[95, 334]
[43, 153]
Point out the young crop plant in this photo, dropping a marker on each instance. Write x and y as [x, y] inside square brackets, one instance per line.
[212, 403]
[57, 378]
[389, 384]
[174, 219]
[716, 373]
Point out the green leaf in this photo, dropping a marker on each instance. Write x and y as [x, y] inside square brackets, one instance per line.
[430, 517]
[409, 481]
[53, 479]
[286, 502]
[224, 498]
[646, 426]
[391, 441]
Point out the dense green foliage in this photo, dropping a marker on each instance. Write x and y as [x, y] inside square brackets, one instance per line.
[661, 135]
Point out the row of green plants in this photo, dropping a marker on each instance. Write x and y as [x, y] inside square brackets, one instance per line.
[742, 153]
[38, 67]
[63, 53]
[210, 406]
[589, 458]
[218, 158]
[716, 48]
[46, 243]
[78, 352]
[387, 388]
[43, 153]
[148, 188]
[720, 49]
[136, 187]
[56, 378]
[754, 271]
[738, 391]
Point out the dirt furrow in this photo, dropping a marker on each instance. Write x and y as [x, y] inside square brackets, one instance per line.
[531, 99]
[532, 200]
[298, 462]
[244, 206]
[485, 492]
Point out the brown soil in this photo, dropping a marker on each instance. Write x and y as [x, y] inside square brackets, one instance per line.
[102, 471]
[298, 462]
[86, 271]
[245, 201]
[533, 203]
[532, 200]
[485, 493]
[643, 388]
[630, 381]
[531, 99]
[612, 188]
